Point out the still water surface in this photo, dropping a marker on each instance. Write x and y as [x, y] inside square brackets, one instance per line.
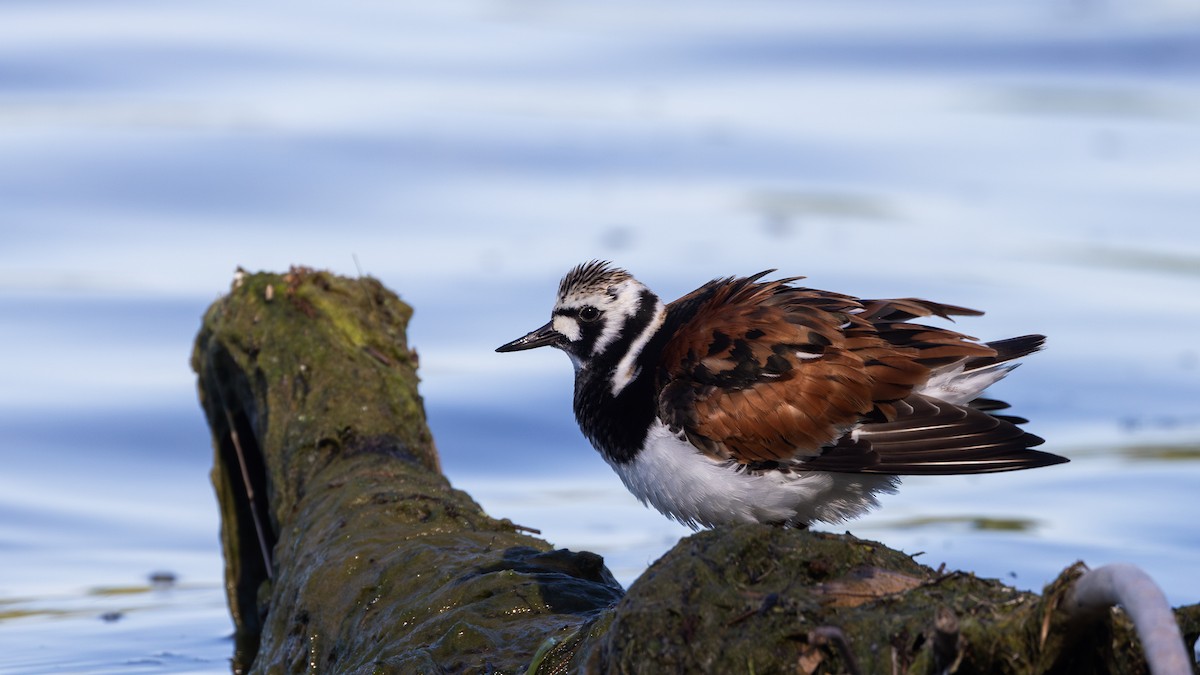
[1037, 160]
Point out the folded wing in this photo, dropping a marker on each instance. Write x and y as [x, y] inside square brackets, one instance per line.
[765, 373]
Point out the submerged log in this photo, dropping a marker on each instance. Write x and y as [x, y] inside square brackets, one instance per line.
[347, 550]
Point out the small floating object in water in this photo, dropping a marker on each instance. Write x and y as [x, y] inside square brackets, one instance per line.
[162, 579]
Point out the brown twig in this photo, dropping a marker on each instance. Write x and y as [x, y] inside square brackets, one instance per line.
[259, 530]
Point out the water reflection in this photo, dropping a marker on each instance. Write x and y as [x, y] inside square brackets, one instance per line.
[1162, 453]
[997, 523]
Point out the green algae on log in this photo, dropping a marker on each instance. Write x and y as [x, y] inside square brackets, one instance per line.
[355, 554]
[347, 551]
[756, 599]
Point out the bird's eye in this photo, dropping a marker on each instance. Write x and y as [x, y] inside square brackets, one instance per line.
[589, 313]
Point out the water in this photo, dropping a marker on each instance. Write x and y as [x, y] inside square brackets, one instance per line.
[1037, 160]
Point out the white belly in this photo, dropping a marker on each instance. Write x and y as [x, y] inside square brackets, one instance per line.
[686, 485]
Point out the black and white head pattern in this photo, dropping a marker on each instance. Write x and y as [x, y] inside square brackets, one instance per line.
[606, 317]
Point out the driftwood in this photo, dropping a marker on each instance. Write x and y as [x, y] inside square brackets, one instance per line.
[347, 551]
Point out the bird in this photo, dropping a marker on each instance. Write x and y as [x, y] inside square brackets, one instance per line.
[756, 401]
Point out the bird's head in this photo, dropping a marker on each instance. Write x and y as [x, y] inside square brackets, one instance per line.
[595, 304]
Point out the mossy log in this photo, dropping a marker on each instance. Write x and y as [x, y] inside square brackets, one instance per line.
[347, 550]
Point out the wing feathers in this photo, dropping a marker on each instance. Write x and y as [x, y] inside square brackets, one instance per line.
[1008, 350]
[935, 437]
[903, 309]
[767, 373]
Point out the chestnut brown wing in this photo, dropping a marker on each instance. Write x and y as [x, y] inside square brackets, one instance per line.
[764, 371]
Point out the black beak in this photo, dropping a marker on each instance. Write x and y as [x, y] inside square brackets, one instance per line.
[546, 335]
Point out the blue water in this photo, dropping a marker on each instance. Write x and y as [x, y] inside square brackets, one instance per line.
[1037, 160]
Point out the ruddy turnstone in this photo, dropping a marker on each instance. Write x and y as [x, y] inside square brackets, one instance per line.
[762, 401]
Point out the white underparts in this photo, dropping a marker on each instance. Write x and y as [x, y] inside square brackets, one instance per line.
[674, 477]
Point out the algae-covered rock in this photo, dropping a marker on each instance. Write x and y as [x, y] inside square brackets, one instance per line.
[347, 551]
[757, 599]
